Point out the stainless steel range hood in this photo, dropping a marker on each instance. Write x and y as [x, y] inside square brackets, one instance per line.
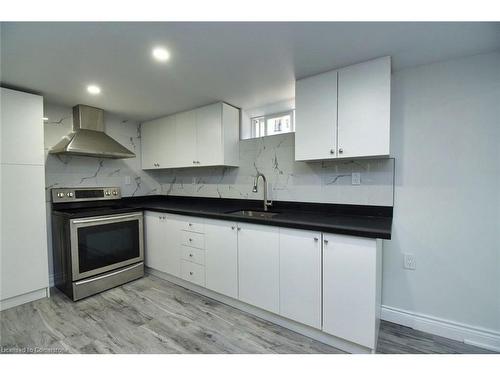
[88, 137]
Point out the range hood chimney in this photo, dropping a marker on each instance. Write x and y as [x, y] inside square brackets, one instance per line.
[88, 137]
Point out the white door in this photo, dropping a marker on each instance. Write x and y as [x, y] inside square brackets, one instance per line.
[300, 276]
[349, 288]
[150, 144]
[22, 128]
[209, 150]
[163, 250]
[185, 124]
[258, 266]
[23, 246]
[167, 153]
[364, 109]
[154, 255]
[316, 117]
[221, 257]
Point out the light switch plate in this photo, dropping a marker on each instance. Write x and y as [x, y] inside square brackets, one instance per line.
[356, 178]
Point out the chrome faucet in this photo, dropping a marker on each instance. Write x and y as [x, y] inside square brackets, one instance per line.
[255, 189]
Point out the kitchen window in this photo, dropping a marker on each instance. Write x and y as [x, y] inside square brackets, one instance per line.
[278, 123]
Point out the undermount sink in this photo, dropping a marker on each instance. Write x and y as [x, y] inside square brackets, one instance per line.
[250, 213]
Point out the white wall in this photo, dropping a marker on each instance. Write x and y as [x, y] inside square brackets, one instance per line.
[446, 142]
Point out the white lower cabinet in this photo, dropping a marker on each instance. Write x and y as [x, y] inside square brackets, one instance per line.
[351, 288]
[163, 251]
[258, 266]
[325, 281]
[300, 276]
[221, 257]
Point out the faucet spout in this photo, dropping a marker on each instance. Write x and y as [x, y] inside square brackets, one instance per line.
[266, 202]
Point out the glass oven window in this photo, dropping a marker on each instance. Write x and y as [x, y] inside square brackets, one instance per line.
[105, 244]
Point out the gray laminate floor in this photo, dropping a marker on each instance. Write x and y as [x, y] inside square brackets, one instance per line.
[151, 315]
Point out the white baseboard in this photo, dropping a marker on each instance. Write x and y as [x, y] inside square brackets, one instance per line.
[23, 298]
[472, 335]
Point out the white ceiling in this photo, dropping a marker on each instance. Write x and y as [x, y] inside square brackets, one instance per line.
[245, 64]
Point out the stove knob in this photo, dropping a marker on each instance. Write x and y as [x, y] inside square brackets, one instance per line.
[60, 195]
[107, 193]
[115, 192]
[70, 195]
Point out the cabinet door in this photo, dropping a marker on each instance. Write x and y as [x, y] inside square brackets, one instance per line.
[162, 243]
[23, 243]
[150, 144]
[258, 266]
[185, 124]
[300, 276]
[209, 135]
[316, 117]
[221, 257]
[167, 152]
[364, 109]
[349, 288]
[22, 128]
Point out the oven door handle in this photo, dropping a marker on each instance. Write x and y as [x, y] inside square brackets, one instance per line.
[105, 218]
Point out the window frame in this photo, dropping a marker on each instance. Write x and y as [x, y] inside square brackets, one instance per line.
[290, 112]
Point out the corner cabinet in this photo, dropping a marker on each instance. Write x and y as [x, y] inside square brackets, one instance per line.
[206, 136]
[344, 113]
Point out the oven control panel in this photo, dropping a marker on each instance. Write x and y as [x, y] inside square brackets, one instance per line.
[85, 194]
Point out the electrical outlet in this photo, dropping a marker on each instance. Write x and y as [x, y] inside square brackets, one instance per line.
[127, 180]
[356, 178]
[409, 262]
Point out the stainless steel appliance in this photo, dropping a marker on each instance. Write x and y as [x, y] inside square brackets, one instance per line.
[88, 137]
[98, 244]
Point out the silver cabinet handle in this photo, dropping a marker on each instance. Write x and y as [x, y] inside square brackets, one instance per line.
[191, 255]
[325, 241]
[316, 239]
[232, 227]
[190, 240]
[239, 228]
[341, 150]
[190, 224]
[332, 151]
[191, 273]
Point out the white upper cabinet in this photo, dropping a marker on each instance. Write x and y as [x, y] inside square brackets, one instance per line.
[300, 276]
[206, 136]
[316, 117]
[364, 109]
[185, 139]
[344, 113]
[21, 128]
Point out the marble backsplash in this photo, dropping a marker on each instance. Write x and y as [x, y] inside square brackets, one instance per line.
[328, 182]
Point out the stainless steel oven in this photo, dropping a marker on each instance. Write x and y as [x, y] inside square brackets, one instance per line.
[97, 242]
[104, 243]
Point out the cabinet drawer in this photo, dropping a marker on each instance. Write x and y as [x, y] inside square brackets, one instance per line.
[193, 239]
[193, 255]
[193, 272]
[193, 225]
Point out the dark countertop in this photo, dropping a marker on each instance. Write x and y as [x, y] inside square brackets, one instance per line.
[363, 221]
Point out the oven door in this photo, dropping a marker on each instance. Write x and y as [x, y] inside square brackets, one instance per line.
[104, 243]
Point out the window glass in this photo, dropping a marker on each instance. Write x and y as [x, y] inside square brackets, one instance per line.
[279, 123]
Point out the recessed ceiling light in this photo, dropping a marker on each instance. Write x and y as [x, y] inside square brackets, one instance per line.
[161, 54]
[93, 89]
